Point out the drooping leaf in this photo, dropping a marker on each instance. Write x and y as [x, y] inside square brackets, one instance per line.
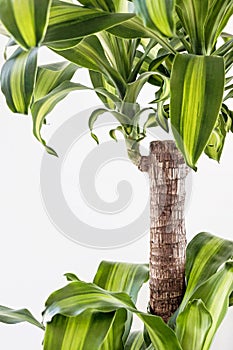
[86, 331]
[50, 76]
[135, 342]
[216, 141]
[90, 54]
[197, 85]
[192, 325]
[44, 105]
[69, 23]
[11, 316]
[134, 28]
[75, 332]
[15, 14]
[78, 297]
[18, 78]
[71, 277]
[120, 277]
[158, 15]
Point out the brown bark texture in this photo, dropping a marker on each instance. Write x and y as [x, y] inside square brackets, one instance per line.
[167, 172]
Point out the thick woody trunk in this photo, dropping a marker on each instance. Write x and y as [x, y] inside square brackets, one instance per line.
[167, 172]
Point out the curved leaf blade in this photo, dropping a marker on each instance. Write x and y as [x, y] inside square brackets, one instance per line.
[78, 297]
[44, 105]
[11, 316]
[87, 331]
[120, 277]
[193, 16]
[197, 85]
[14, 14]
[192, 325]
[135, 342]
[215, 293]
[158, 15]
[89, 53]
[50, 76]
[69, 23]
[17, 79]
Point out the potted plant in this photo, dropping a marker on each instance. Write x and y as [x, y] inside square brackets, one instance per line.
[175, 49]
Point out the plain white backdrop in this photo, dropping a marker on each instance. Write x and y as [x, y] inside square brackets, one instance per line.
[34, 255]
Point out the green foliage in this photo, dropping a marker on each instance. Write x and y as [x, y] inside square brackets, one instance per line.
[98, 315]
[123, 52]
[197, 85]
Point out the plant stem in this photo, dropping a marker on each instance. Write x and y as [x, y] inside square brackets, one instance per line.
[167, 172]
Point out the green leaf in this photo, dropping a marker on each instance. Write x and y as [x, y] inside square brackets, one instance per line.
[11, 316]
[71, 277]
[197, 85]
[231, 300]
[69, 23]
[90, 54]
[219, 13]
[106, 5]
[134, 28]
[133, 89]
[79, 297]
[158, 15]
[135, 342]
[26, 20]
[18, 78]
[120, 277]
[50, 76]
[216, 141]
[193, 325]
[215, 293]
[99, 81]
[75, 332]
[87, 331]
[192, 14]
[44, 105]
[205, 254]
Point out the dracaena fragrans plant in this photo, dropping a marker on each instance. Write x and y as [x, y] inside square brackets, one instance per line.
[180, 49]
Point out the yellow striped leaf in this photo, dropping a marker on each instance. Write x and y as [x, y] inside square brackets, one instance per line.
[193, 325]
[86, 331]
[69, 23]
[193, 14]
[158, 15]
[215, 293]
[205, 254]
[197, 85]
[91, 329]
[26, 20]
[18, 79]
[78, 297]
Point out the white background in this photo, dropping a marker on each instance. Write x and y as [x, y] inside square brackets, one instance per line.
[34, 255]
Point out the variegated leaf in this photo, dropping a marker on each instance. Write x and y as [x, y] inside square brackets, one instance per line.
[79, 297]
[193, 325]
[197, 85]
[69, 23]
[26, 20]
[18, 78]
[158, 15]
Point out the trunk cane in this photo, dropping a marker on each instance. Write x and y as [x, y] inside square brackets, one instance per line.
[167, 172]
